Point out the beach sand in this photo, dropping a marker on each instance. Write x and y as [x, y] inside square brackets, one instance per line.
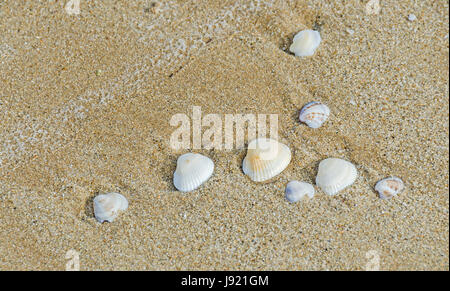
[85, 105]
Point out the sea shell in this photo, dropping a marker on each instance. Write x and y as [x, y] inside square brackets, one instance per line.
[305, 43]
[314, 114]
[412, 17]
[296, 191]
[192, 171]
[108, 206]
[265, 159]
[335, 174]
[389, 187]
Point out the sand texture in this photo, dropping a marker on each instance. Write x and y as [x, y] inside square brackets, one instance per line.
[85, 105]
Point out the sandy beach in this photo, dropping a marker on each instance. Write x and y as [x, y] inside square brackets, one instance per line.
[85, 106]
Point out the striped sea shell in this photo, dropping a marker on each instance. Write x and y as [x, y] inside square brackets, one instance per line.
[335, 174]
[389, 187]
[192, 171]
[265, 159]
[314, 114]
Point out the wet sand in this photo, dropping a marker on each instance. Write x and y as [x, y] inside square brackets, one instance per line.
[85, 105]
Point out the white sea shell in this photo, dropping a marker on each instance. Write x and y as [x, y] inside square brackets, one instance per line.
[192, 171]
[389, 187]
[296, 191]
[265, 159]
[108, 206]
[314, 114]
[335, 174]
[412, 17]
[305, 43]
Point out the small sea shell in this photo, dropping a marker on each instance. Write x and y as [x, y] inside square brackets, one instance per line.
[192, 171]
[389, 187]
[314, 114]
[305, 43]
[335, 174]
[108, 206]
[412, 17]
[296, 191]
[265, 159]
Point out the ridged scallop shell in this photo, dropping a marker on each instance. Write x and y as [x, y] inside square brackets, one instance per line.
[192, 171]
[296, 191]
[265, 159]
[305, 43]
[108, 206]
[335, 174]
[389, 187]
[314, 114]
